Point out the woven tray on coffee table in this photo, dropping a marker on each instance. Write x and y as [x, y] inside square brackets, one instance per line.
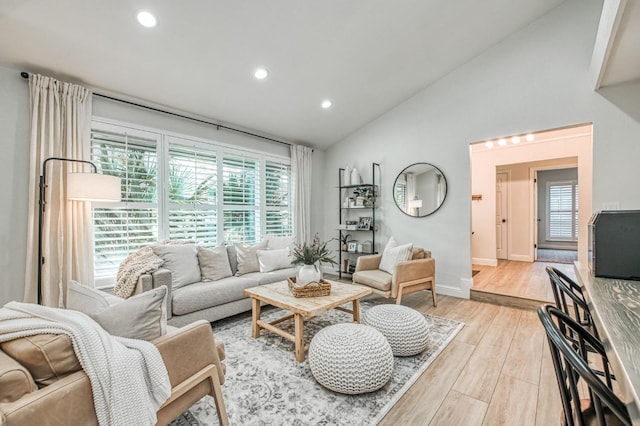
[312, 289]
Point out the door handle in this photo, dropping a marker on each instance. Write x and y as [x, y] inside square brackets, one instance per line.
[504, 220]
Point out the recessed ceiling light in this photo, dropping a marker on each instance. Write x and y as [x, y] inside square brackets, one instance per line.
[515, 139]
[529, 137]
[146, 19]
[502, 142]
[261, 73]
[489, 144]
[326, 104]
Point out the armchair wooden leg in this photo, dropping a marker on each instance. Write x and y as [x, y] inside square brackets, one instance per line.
[217, 397]
[399, 298]
[433, 295]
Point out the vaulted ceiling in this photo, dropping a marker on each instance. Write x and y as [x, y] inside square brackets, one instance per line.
[366, 56]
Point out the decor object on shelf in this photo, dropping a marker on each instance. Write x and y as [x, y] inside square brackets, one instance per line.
[420, 189]
[406, 329]
[355, 177]
[346, 176]
[366, 194]
[309, 256]
[91, 186]
[351, 358]
[352, 246]
[364, 224]
[409, 276]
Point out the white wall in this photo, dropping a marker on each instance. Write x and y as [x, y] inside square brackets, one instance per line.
[14, 182]
[538, 78]
[14, 172]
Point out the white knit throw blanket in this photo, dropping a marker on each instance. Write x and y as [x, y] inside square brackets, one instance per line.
[128, 377]
[140, 262]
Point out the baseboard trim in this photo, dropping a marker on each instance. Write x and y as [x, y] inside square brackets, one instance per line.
[521, 257]
[448, 290]
[484, 262]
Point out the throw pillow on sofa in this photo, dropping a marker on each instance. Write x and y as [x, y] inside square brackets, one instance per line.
[272, 260]
[143, 316]
[182, 261]
[248, 258]
[214, 263]
[275, 242]
[394, 254]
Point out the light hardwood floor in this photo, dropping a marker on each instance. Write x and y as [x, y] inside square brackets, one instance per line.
[497, 371]
[519, 279]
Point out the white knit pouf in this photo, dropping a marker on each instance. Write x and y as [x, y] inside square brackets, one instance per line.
[350, 358]
[406, 329]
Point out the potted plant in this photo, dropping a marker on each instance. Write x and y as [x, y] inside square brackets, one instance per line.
[308, 257]
[367, 193]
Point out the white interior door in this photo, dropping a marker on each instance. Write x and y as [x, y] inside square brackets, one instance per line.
[502, 202]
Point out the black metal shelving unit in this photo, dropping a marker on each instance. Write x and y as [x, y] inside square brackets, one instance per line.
[345, 213]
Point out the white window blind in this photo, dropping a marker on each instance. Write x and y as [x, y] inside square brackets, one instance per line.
[124, 227]
[241, 199]
[562, 211]
[278, 199]
[192, 195]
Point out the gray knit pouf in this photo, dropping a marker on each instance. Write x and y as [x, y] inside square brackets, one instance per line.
[350, 358]
[406, 329]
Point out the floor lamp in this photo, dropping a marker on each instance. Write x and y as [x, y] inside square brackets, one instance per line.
[81, 186]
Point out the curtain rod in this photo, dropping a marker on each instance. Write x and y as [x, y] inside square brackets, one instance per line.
[25, 75]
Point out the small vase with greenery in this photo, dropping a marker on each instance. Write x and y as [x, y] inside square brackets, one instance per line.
[308, 257]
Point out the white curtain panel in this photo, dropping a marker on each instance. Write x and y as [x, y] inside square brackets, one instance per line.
[60, 127]
[301, 171]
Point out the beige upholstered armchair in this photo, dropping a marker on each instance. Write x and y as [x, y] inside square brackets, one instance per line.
[410, 276]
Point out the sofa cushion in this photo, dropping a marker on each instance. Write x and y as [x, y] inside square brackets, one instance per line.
[182, 261]
[233, 258]
[143, 316]
[375, 278]
[275, 242]
[214, 263]
[272, 260]
[15, 380]
[248, 258]
[88, 300]
[48, 357]
[203, 295]
[263, 278]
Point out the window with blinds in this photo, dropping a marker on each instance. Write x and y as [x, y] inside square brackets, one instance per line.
[182, 189]
[278, 199]
[562, 211]
[192, 193]
[124, 227]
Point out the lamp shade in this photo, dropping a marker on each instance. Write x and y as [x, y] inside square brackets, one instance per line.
[93, 187]
[415, 204]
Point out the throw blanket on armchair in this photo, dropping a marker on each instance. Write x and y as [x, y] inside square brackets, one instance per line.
[143, 261]
[128, 377]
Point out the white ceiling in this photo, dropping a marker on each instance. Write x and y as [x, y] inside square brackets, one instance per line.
[367, 56]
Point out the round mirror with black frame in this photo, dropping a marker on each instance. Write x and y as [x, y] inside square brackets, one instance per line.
[420, 190]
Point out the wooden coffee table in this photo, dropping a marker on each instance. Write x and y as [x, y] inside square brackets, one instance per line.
[278, 294]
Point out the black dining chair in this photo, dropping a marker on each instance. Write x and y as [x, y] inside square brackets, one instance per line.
[569, 298]
[600, 405]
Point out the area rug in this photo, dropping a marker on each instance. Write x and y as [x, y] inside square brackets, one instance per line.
[264, 385]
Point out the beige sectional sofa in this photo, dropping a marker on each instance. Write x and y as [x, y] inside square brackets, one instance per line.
[209, 284]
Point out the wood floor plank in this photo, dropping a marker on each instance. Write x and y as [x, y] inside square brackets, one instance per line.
[549, 405]
[451, 414]
[525, 354]
[476, 321]
[513, 403]
[420, 403]
[479, 377]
